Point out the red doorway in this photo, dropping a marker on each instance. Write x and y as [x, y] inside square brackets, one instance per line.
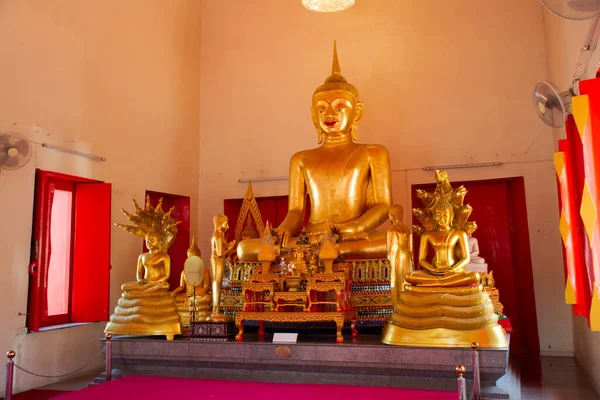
[500, 212]
[178, 250]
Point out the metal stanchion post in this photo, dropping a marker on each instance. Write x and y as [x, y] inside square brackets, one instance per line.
[9, 375]
[461, 387]
[108, 336]
[476, 379]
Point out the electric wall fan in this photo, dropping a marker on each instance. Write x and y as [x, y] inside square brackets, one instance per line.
[15, 150]
[552, 105]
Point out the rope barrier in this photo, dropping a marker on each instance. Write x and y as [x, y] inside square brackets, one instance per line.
[63, 375]
[10, 365]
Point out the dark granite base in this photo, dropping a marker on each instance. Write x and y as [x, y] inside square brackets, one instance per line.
[313, 359]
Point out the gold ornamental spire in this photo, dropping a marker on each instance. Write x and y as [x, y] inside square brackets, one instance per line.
[336, 81]
[335, 67]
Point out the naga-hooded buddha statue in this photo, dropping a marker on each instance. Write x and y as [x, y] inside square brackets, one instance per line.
[349, 184]
[442, 304]
[146, 306]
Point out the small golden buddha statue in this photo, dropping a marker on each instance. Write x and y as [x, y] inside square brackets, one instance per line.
[267, 253]
[328, 252]
[220, 252]
[399, 251]
[146, 306]
[447, 242]
[442, 305]
[349, 184]
[193, 297]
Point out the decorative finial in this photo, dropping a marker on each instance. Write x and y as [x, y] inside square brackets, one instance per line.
[108, 336]
[336, 81]
[335, 67]
[11, 354]
[474, 346]
[460, 370]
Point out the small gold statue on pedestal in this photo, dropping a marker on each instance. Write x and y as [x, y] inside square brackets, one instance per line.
[399, 250]
[193, 297]
[267, 252]
[146, 306]
[442, 305]
[328, 252]
[220, 251]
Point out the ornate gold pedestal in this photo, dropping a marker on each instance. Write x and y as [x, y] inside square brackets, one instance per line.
[492, 337]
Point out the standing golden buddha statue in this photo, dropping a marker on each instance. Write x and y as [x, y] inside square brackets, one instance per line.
[220, 252]
[146, 306]
[442, 305]
[349, 183]
[399, 251]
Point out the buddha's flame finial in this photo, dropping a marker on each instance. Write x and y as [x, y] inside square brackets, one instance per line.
[336, 81]
[193, 250]
[335, 67]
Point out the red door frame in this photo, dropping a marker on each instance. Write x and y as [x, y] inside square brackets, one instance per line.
[41, 250]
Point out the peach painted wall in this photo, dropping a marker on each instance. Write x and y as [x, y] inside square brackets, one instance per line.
[564, 39]
[114, 78]
[442, 82]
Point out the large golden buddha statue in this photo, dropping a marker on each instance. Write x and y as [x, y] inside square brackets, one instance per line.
[349, 184]
[442, 305]
[146, 306]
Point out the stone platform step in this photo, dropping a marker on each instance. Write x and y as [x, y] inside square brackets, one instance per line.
[314, 359]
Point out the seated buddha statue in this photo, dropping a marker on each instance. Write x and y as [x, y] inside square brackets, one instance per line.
[146, 306]
[442, 304]
[349, 183]
[477, 263]
[445, 269]
[193, 297]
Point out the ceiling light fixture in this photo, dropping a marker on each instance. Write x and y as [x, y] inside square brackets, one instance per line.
[328, 5]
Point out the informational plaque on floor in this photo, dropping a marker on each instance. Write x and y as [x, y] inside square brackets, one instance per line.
[279, 337]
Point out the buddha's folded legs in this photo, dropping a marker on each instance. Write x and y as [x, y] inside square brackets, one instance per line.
[144, 287]
[372, 246]
[424, 278]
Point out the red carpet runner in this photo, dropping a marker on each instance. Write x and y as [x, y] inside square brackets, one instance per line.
[150, 388]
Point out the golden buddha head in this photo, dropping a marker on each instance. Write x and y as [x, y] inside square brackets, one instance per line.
[154, 239]
[443, 214]
[335, 105]
[221, 222]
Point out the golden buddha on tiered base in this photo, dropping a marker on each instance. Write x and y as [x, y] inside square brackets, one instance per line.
[442, 305]
[146, 306]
